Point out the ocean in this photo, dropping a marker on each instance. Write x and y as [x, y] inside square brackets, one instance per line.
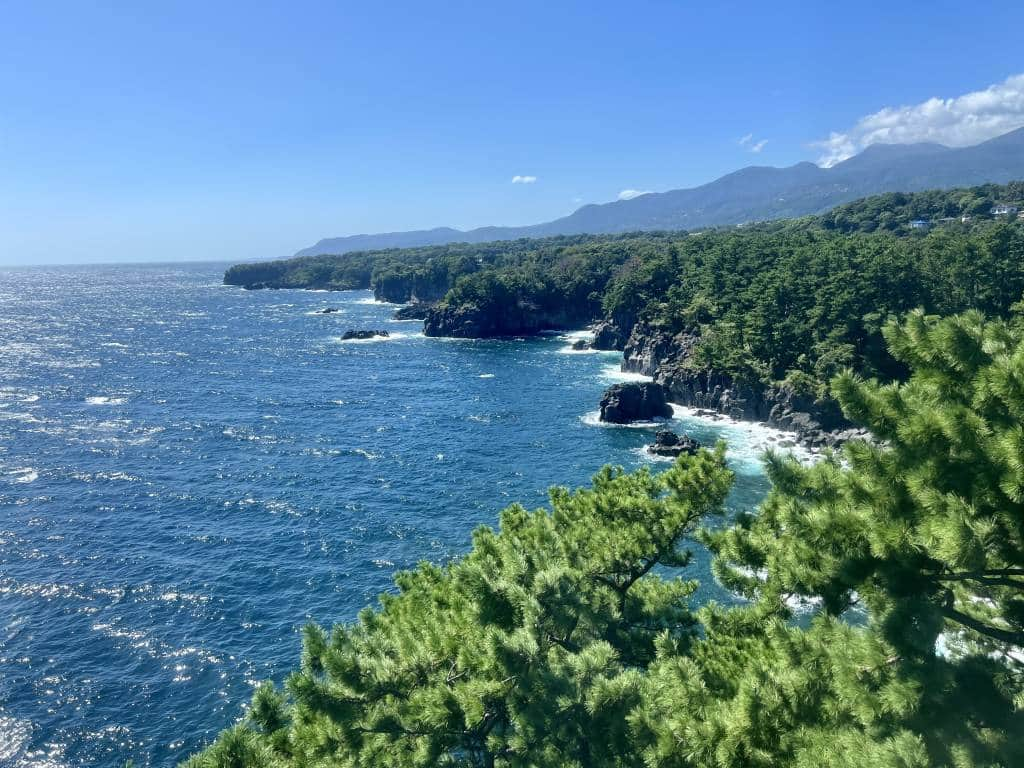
[190, 472]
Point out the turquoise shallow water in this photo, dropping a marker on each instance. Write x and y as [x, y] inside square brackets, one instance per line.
[189, 472]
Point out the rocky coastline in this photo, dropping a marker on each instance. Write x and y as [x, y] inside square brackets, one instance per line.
[468, 321]
[666, 358]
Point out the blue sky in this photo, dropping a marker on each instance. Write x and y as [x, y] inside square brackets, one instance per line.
[134, 131]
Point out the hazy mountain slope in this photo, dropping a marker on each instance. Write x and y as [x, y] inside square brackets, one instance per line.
[756, 193]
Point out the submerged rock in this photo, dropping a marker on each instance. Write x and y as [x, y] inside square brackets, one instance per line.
[668, 443]
[635, 401]
[350, 335]
[580, 345]
[327, 310]
[416, 311]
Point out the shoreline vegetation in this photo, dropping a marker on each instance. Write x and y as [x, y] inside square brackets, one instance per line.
[566, 637]
[750, 322]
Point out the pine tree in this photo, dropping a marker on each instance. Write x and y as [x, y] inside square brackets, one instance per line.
[528, 651]
[919, 532]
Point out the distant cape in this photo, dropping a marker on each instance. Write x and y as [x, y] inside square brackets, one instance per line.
[755, 193]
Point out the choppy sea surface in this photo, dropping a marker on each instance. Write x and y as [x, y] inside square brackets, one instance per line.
[189, 472]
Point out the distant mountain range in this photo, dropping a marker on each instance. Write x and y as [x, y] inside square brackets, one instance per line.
[756, 193]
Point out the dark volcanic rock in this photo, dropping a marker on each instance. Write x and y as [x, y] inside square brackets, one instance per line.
[412, 286]
[580, 345]
[666, 356]
[668, 443]
[607, 335]
[415, 311]
[327, 310]
[635, 401]
[469, 321]
[349, 335]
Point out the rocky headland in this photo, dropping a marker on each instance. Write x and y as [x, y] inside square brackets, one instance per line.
[667, 358]
[470, 321]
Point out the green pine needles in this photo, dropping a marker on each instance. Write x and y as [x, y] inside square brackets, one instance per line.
[566, 637]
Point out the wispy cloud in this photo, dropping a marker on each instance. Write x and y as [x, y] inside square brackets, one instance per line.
[524, 179]
[956, 122]
[629, 194]
[748, 143]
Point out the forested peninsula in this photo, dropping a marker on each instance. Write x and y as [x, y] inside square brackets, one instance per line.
[752, 321]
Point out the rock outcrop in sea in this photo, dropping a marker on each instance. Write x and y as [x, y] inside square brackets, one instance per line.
[634, 401]
[354, 335]
[668, 443]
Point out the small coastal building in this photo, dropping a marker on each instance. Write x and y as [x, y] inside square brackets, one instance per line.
[920, 224]
[965, 218]
[1004, 210]
[1020, 216]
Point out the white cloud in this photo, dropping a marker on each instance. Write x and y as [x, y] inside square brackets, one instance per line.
[957, 122]
[629, 194]
[747, 142]
[524, 179]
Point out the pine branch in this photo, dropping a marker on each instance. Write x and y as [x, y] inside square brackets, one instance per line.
[995, 633]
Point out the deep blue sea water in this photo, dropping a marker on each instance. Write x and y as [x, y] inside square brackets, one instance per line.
[189, 472]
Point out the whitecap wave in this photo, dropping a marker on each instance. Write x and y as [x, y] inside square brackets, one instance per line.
[748, 440]
[376, 339]
[105, 400]
[614, 374]
[586, 334]
[593, 419]
[23, 475]
[486, 376]
[652, 458]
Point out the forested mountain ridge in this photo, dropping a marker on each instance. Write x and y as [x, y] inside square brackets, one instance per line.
[751, 194]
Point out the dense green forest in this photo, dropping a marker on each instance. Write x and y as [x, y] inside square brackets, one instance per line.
[790, 302]
[566, 638]
[895, 211]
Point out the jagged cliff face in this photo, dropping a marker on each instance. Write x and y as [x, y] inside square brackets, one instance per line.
[402, 289]
[667, 357]
[468, 321]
